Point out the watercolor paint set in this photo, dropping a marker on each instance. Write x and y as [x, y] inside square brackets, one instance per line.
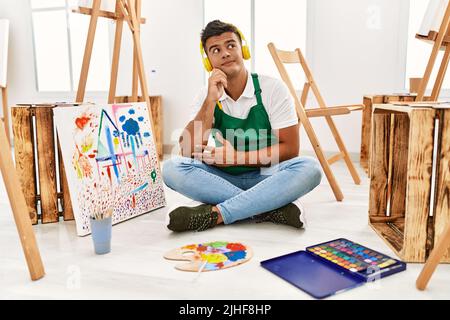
[333, 267]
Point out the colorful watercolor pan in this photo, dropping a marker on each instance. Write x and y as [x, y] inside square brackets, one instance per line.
[352, 256]
[332, 267]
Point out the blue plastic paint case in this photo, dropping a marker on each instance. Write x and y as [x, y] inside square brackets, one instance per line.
[327, 269]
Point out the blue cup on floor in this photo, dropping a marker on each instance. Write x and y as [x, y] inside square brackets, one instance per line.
[101, 235]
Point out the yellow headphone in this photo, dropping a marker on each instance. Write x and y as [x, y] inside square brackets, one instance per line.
[245, 52]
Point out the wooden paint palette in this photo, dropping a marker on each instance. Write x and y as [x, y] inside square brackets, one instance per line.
[211, 256]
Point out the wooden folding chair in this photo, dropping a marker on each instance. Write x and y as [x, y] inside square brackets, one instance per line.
[284, 57]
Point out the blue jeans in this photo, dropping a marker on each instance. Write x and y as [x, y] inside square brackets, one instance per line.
[243, 196]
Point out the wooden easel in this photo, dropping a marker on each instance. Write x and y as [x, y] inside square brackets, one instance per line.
[434, 259]
[6, 111]
[441, 40]
[19, 208]
[129, 11]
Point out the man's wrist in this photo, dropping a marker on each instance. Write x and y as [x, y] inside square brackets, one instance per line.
[210, 102]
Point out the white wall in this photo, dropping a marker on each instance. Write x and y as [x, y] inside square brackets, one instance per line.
[354, 48]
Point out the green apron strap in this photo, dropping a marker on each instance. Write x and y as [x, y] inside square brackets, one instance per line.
[257, 88]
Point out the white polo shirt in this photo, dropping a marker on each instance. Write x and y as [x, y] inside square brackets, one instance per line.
[275, 96]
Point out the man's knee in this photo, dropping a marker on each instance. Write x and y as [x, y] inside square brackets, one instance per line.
[172, 171]
[312, 168]
[315, 170]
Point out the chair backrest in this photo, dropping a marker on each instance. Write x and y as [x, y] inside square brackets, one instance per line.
[281, 57]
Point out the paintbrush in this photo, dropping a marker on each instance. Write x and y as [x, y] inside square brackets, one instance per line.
[199, 272]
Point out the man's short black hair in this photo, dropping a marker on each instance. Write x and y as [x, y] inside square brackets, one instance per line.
[216, 28]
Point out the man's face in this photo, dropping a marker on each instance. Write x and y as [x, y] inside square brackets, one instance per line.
[225, 53]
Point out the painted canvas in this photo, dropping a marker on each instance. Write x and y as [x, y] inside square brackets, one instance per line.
[110, 159]
[433, 17]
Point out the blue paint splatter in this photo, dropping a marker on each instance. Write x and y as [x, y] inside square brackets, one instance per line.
[236, 255]
[111, 150]
[147, 135]
[132, 111]
[131, 127]
[133, 149]
[141, 119]
[122, 119]
[143, 187]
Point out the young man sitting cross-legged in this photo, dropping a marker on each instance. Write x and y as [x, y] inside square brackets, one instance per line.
[254, 170]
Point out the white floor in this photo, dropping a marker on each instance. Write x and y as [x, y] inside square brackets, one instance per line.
[136, 269]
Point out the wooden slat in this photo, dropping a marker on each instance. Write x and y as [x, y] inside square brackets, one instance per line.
[24, 156]
[432, 36]
[379, 165]
[399, 164]
[420, 163]
[368, 102]
[323, 112]
[66, 201]
[305, 92]
[392, 238]
[411, 98]
[374, 219]
[158, 121]
[46, 163]
[336, 158]
[332, 111]
[442, 203]
[288, 56]
[102, 13]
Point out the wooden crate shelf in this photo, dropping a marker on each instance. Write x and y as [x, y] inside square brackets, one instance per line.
[369, 101]
[406, 165]
[37, 153]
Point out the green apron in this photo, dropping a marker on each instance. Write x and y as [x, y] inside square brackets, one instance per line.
[253, 133]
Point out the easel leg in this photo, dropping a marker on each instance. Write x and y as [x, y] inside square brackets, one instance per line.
[88, 51]
[6, 113]
[441, 75]
[135, 87]
[20, 212]
[433, 260]
[140, 60]
[115, 59]
[434, 54]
